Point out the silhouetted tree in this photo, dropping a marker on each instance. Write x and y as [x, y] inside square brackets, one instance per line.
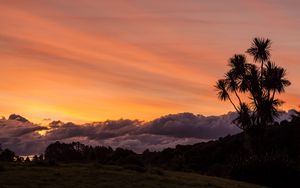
[65, 152]
[41, 157]
[35, 158]
[103, 154]
[76, 151]
[27, 160]
[19, 159]
[260, 85]
[7, 155]
[296, 117]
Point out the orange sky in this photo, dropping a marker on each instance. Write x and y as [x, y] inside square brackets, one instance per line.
[88, 60]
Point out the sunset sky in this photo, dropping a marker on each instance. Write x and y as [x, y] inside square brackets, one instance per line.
[90, 60]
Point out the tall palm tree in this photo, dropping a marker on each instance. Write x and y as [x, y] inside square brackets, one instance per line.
[259, 84]
[260, 50]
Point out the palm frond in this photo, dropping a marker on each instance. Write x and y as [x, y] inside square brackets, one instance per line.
[221, 86]
[260, 49]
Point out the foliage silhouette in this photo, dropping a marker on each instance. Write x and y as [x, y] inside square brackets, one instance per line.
[260, 86]
[7, 155]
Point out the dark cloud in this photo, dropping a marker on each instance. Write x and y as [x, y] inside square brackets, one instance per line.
[186, 125]
[166, 131]
[15, 128]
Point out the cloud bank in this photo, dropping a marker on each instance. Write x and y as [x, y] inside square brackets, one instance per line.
[26, 138]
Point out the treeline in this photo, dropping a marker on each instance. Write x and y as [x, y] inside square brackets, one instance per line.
[7, 155]
[78, 152]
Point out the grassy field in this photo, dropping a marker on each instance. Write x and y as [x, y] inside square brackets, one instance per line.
[90, 175]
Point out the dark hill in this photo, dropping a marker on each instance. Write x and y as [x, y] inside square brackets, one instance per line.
[270, 157]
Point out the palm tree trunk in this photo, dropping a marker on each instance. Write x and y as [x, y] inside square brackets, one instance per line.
[238, 97]
[254, 98]
[261, 87]
[273, 95]
[233, 104]
[261, 74]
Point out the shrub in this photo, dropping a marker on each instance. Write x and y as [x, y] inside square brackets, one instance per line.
[268, 171]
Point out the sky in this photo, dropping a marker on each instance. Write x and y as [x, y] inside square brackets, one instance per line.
[92, 60]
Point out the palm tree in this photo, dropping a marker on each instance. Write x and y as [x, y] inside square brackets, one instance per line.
[261, 86]
[260, 50]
